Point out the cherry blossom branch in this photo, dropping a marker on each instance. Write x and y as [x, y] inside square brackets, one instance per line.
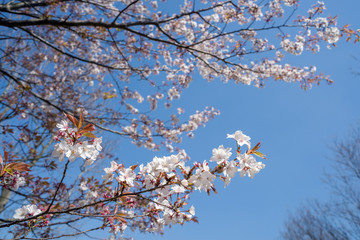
[69, 210]
[66, 235]
[157, 175]
[32, 22]
[122, 11]
[58, 187]
[57, 107]
[19, 82]
[26, 4]
[66, 53]
[109, 199]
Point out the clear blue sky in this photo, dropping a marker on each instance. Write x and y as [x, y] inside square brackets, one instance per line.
[296, 128]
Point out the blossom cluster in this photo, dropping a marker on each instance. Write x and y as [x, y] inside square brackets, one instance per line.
[32, 210]
[72, 148]
[12, 181]
[168, 181]
[10, 172]
[26, 211]
[324, 29]
[142, 132]
[164, 184]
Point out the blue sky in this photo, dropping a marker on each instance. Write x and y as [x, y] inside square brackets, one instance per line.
[296, 128]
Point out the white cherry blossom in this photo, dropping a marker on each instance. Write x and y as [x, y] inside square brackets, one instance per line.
[240, 138]
[220, 154]
[63, 125]
[203, 178]
[177, 189]
[127, 175]
[110, 171]
[229, 172]
[26, 211]
[60, 149]
[249, 166]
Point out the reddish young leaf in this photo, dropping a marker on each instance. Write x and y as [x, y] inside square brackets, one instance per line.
[259, 154]
[87, 128]
[133, 167]
[121, 219]
[18, 166]
[116, 209]
[254, 149]
[72, 119]
[89, 134]
[80, 121]
[6, 155]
